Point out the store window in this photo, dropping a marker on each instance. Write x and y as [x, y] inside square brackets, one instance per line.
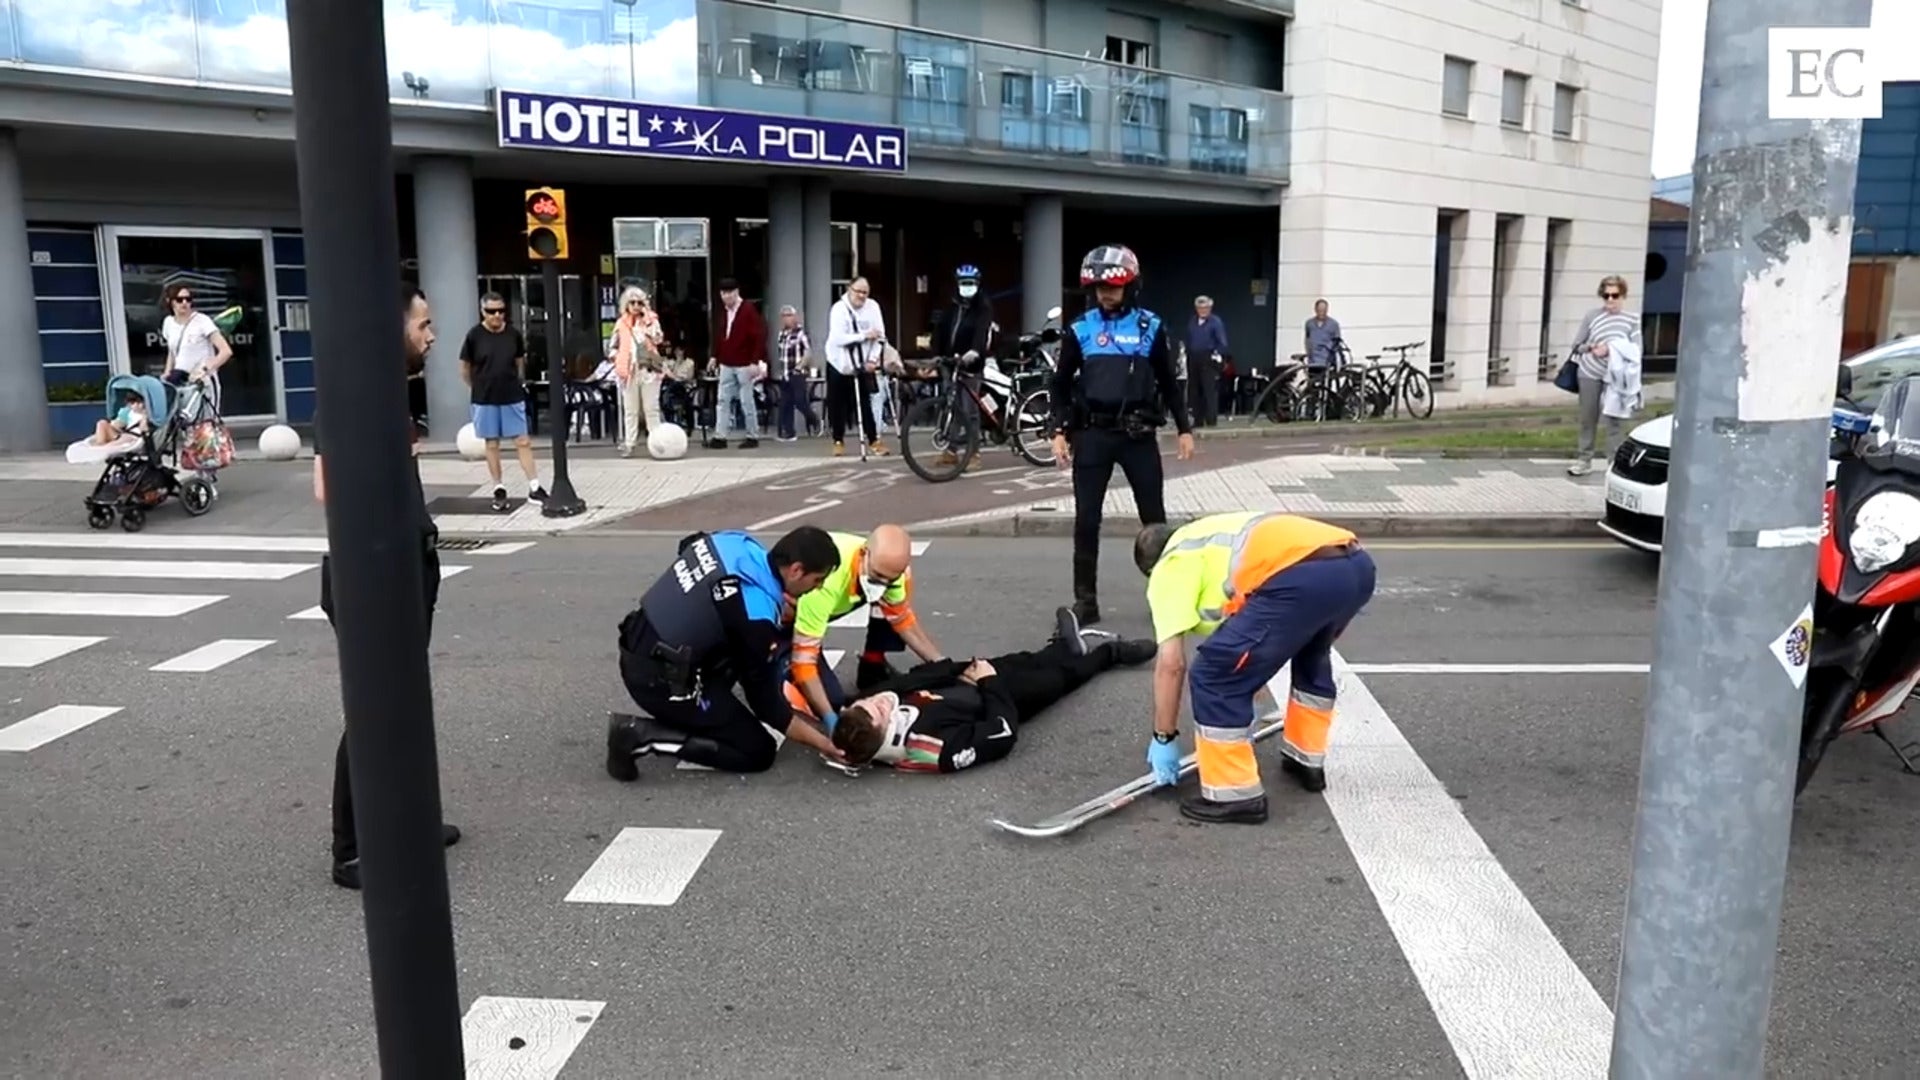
[227, 278]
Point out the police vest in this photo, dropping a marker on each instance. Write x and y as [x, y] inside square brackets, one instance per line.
[683, 606]
[1115, 373]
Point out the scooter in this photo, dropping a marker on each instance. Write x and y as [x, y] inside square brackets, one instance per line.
[1864, 653]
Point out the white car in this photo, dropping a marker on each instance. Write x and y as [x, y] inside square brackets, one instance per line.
[1636, 512]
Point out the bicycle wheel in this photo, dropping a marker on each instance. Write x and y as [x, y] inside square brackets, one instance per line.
[1277, 403]
[1032, 417]
[1417, 391]
[939, 439]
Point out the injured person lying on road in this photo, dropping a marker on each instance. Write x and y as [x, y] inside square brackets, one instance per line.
[947, 715]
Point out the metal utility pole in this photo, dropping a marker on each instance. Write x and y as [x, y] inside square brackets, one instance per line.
[1772, 231]
[562, 500]
[343, 147]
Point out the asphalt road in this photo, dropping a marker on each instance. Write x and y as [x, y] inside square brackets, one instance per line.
[168, 913]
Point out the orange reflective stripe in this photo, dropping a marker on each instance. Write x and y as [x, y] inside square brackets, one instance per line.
[1271, 544]
[901, 617]
[1309, 726]
[1228, 769]
[798, 701]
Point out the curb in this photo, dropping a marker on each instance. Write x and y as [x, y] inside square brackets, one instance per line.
[1395, 453]
[1519, 526]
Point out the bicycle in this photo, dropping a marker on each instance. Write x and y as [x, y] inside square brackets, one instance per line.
[952, 420]
[1387, 386]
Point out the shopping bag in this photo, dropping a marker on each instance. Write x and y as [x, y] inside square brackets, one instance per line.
[207, 448]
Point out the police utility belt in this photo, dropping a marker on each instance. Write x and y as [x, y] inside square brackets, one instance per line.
[1137, 423]
[651, 661]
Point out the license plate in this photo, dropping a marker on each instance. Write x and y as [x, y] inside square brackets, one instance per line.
[1625, 500]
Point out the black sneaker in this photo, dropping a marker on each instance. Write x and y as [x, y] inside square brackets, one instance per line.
[716, 444]
[537, 493]
[1134, 653]
[499, 500]
[1066, 630]
[749, 444]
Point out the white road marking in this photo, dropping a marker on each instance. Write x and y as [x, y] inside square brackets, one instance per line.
[32, 650]
[920, 547]
[152, 568]
[43, 727]
[310, 545]
[644, 866]
[791, 514]
[315, 614]
[106, 605]
[214, 654]
[833, 656]
[1512, 1002]
[285, 545]
[1499, 669]
[510, 1038]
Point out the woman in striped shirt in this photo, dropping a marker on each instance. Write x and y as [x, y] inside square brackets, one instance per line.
[1608, 322]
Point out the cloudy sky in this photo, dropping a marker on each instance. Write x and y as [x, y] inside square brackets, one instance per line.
[1683, 30]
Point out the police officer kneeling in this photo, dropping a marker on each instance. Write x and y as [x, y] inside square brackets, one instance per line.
[1113, 388]
[711, 622]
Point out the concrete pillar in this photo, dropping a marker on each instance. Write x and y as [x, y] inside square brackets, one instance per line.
[450, 276]
[1470, 303]
[23, 383]
[786, 253]
[1526, 293]
[1043, 259]
[817, 247]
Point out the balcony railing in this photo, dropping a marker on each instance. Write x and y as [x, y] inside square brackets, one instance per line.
[949, 92]
[976, 95]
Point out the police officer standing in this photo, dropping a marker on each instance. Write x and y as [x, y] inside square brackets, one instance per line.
[1113, 388]
[714, 621]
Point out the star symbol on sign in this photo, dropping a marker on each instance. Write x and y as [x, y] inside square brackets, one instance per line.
[679, 126]
[654, 123]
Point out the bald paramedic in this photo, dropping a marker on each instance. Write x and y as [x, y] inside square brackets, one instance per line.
[875, 573]
[1257, 591]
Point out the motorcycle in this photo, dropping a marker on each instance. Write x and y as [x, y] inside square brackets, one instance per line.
[1864, 653]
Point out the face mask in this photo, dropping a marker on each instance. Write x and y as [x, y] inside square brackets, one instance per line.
[872, 590]
[967, 291]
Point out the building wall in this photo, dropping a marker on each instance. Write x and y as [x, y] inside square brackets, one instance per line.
[1375, 162]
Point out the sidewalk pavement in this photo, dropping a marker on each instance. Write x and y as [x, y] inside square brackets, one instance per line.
[1374, 495]
[276, 497]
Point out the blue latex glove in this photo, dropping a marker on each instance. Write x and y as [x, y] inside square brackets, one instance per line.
[831, 720]
[1164, 760]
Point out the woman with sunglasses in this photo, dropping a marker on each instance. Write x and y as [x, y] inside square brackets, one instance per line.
[196, 349]
[1603, 328]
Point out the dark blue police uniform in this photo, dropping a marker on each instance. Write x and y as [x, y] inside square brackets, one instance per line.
[713, 621]
[1113, 388]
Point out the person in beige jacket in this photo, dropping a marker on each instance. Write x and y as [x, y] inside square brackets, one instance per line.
[636, 367]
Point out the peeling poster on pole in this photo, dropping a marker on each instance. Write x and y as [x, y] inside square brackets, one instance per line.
[1794, 646]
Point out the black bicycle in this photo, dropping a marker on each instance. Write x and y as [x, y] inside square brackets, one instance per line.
[1387, 386]
[942, 434]
[1299, 392]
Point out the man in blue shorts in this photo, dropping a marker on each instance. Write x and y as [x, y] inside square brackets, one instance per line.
[493, 361]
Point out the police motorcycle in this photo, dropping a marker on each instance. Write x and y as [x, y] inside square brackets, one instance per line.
[944, 432]
[1864, 650]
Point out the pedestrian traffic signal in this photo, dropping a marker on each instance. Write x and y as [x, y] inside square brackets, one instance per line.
[546, 223]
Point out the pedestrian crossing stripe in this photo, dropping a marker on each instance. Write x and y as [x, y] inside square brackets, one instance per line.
[49, 724]
[106, 605]
[32, 650]
[213, 655]
[155, 569]
[162, 541]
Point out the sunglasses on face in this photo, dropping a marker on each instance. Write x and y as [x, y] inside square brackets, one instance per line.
[492, 311]
[1611, 296]
[183, 298]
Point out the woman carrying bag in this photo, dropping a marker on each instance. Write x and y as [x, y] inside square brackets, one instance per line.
[1604, 370]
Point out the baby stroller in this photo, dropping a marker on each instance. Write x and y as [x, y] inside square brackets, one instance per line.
[141, 470]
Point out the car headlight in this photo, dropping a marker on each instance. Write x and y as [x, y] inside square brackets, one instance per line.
[1887, 524]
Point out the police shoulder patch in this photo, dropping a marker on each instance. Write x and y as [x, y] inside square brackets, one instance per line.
[726, 589]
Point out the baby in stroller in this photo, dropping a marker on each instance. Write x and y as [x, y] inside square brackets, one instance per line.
[131, 422]
[142, 457]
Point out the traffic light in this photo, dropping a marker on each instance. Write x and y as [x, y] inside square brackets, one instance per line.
[546, 223]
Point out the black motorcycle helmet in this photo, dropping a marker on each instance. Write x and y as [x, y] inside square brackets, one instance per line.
[1111, 264]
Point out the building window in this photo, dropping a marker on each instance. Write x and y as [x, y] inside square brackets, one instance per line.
[1456, 88]
[1660, 340]
[1513, 99]
[1217, 139]
[1559, 240]
[1565, 98]
[1129, 52]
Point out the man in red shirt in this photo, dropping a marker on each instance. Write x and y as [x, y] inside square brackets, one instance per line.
[743, 348]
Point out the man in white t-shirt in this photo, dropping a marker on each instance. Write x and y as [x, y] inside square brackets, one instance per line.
[856, 338]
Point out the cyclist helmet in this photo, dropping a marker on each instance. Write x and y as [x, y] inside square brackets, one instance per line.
[967, 281]
[1112, 264]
